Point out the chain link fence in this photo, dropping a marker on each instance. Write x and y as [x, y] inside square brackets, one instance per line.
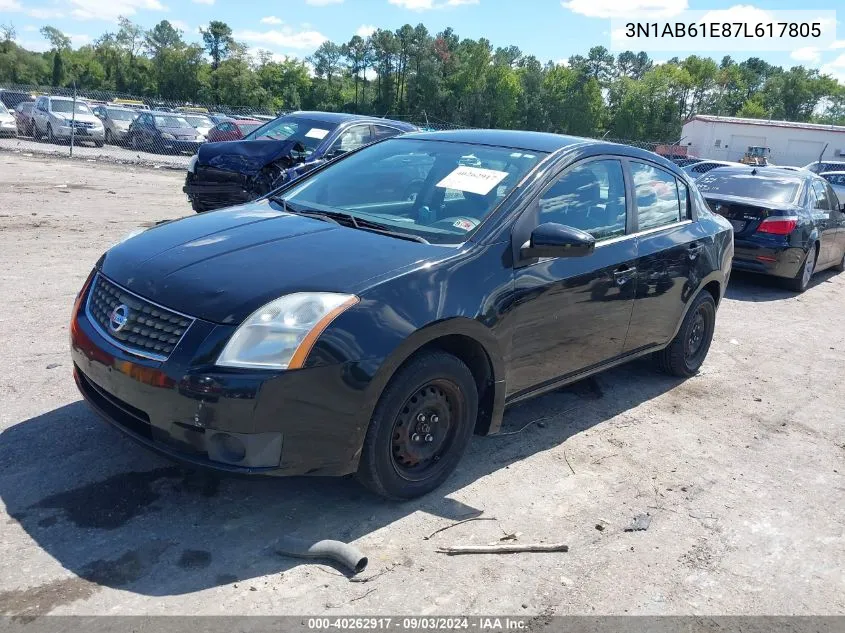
[124, 128]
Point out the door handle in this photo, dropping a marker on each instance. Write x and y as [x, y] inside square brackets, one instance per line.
[624, 275]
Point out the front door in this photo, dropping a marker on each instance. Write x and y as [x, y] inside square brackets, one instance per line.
[571, 314]
[671, 251]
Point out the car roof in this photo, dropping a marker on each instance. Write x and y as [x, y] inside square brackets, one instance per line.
[772, 172]
[344, 117]
[531, 141]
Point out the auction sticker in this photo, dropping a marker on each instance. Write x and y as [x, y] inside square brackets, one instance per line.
[473, 180]
[317, 133]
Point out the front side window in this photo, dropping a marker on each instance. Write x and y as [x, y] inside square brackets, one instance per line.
[657, 197]
[353, 138]
[590, 197]
[419, 187]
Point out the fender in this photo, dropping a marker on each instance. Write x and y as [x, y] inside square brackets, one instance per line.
[461, 326]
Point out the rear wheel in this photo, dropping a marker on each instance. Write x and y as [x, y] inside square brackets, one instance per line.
[50, 137]
[108, 137]
[420, 428]
[685, 354]
[802, 278]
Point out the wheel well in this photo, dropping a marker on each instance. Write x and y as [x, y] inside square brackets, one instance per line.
[474, 356]
[714, 289]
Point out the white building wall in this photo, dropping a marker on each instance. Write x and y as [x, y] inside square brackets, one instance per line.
[722, 140]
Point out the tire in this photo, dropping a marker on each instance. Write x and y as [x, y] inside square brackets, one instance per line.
[50, 137]
[802, 278]
[420, 428]
[108, 137]
[685, 354]
[134, 143]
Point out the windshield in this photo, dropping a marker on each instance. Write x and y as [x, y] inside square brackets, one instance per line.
[67, 107]
[292, 128]
[248, 128]
[121, 115]
[171, 121]
[437, 190]
[835, 179]
[747, 185]
[199, 121]
[3, 108]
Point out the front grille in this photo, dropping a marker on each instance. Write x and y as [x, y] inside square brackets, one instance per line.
[149, 330]
[84, 124]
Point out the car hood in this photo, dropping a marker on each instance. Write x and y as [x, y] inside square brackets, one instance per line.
[179, 132]
[6, 117]
[223, 265]
[80, 118]
[245, 157]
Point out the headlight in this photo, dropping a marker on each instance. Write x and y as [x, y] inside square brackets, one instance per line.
[281, 334]
[167, 136]
[192, 164]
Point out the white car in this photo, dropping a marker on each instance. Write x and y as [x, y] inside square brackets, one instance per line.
[8, 125]
[837, 182]
[200, 122]
[59, 118]
[702, 167]
[820, 167]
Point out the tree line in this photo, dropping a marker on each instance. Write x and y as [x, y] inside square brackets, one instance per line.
[413, 73]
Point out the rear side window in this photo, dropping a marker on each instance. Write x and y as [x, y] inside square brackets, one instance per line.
[590, 197]
[658, 199]
[818, 197]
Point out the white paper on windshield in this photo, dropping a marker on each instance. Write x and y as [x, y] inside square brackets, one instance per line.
[317, 133]
[473, 180]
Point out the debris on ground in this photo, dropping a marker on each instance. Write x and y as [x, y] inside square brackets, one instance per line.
[426, 538]
[640, 523]
[503, 549]
[346, 555]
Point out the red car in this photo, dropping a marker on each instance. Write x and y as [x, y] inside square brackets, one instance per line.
[232, 130]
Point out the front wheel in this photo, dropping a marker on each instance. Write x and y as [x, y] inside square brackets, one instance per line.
[802, 278]
[685, 354]
[840, 267]
[420, 428]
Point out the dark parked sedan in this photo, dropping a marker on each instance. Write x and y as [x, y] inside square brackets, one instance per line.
[344, 326]
[234, 172]
[163, 132]
[789, 224]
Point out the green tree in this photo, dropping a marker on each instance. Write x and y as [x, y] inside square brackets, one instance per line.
[218, 42]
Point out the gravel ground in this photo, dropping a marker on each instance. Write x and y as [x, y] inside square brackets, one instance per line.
[741, 468]
[108, 153]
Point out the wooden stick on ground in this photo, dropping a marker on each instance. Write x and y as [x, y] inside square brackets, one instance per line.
[512, 548]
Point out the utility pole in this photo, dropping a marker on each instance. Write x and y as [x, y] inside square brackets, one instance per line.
[73, 119]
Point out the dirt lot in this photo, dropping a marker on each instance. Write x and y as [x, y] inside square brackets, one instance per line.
[741, 467]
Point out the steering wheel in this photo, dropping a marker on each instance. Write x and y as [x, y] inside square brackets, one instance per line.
[461, 222]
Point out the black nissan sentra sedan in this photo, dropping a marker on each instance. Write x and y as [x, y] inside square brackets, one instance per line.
[349, 325]
[789, 224]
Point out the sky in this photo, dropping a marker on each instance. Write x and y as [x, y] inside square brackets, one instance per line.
[549, 29]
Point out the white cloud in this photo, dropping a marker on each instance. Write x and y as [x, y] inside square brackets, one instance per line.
[271, 19]
[255, 54]
[36, 46]
[365, 30]
[809, 54]
[322, 3]
[838, 44]
[203, 1]
[110, 10]
[740, 13]
[45, 14]
[178, 24]
[427, 5]
[10, 5]
[78, 39]
[562, 62]
[30, 28]
[835, 68]
[633, 8]
[285, 37]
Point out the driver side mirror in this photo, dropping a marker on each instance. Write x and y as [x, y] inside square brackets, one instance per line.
[556, 240]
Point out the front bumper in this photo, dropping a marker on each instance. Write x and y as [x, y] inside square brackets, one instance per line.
[9, 128]
[178, 146]
[80, 134]
[304, 422]
[224, 191]
[767, 259]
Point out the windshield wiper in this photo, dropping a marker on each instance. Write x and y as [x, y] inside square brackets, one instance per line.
[347, 219]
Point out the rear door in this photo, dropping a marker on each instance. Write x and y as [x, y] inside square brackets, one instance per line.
[670, 248]
[821, 206]
[572, 314]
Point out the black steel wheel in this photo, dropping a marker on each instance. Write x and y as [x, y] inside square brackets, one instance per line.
[685, 354]
[420, 428]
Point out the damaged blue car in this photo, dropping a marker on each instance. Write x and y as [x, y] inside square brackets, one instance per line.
[234, 172]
